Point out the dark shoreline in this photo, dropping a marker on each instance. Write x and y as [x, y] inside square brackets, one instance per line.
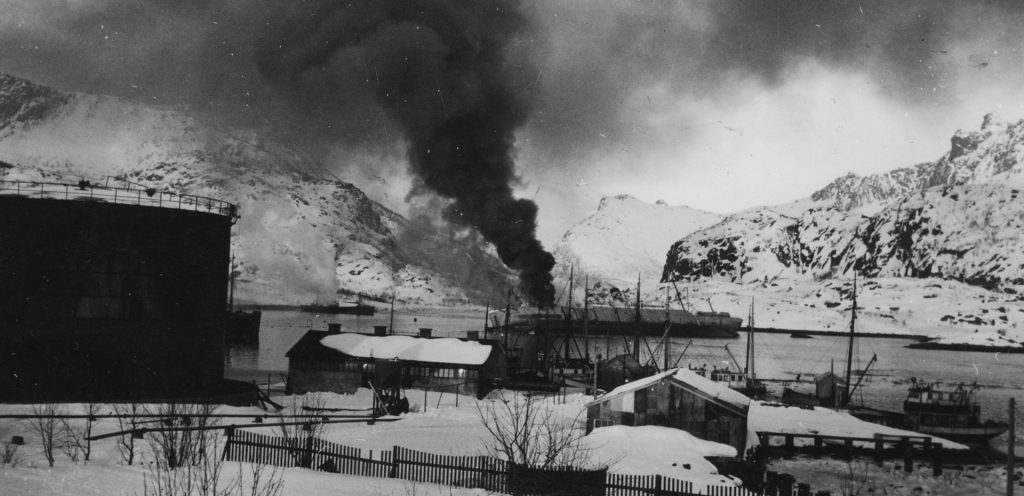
[965, 347]
[772, 330]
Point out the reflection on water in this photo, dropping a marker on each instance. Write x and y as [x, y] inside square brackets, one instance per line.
[778, 356]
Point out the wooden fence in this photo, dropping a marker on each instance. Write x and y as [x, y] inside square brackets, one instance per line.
[482, 472]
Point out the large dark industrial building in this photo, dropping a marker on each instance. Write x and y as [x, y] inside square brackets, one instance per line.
[110, 294]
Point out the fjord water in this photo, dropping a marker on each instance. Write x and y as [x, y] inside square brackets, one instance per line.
[778, 356]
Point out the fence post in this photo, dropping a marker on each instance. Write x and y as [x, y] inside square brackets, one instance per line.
[393, 473]
[657, 484]
[307, 455]
[230, 433]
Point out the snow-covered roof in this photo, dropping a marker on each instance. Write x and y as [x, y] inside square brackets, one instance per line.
[708, 387]
[438, 350]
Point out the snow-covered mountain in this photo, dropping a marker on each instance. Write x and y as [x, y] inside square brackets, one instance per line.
[960, 221]
[955, 221]
[624, 238]
[303, 236]
[940, 246]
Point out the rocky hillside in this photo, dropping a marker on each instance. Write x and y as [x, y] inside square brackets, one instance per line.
[967, 228]
[304, 235]
[959, 219]
[997, 149]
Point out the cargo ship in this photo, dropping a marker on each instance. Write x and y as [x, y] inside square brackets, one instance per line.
[619, 321]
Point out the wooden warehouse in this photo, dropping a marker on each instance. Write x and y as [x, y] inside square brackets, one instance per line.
[343, 362]
[676, 398]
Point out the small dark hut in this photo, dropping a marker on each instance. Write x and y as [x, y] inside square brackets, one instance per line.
[343, 362]
[619, 370]
[677, 398]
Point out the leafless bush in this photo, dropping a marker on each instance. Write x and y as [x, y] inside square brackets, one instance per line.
[9, 456]
[855, 479]
[305, 425]
[525, 431]
[207, 476]
[263, 480]
[45, 424]
[182, 438]
[127, 420]
[76, 443]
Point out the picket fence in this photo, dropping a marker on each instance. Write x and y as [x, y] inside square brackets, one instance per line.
[464, 471]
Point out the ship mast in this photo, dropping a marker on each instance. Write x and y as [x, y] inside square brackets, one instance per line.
[849, 349]
[636, 330]
[751, 376]
[586, 317]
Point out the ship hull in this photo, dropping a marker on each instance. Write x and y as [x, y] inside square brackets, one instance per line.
[968, 435]
[647, 329]
[340, 309]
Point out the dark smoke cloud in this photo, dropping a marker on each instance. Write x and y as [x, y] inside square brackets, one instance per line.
[458, 79]
[448, 73]
[913, 50]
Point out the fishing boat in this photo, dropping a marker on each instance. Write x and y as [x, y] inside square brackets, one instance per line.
[829, 389]
[742, 379]
[948, 412]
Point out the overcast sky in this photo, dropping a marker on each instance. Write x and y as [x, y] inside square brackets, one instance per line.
[719, 105]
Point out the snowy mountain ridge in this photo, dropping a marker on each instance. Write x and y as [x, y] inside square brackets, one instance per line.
[624, 238]
[993, 153]
[304, 236]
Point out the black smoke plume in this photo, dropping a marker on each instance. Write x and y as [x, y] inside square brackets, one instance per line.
[449, 74]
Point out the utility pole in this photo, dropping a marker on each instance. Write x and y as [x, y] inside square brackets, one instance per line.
[487, 313]
[568, 315]
[508, 310]
[391, 326]
[1010, 455]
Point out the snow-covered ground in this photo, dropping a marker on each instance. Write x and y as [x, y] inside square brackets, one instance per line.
[439, 425]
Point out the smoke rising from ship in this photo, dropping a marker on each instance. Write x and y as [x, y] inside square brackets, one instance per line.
[449, 75]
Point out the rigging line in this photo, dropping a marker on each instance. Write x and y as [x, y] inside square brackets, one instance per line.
[827, 354]
[771, 354]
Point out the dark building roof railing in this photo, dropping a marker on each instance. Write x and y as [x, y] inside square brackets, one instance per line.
[87, 191]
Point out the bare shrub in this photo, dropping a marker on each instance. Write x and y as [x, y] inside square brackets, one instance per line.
[263, 480]
[9, 456]
[305, 424]
[525, 430]
[855, 479]
[76, 443]
[127, 420]
[207, 476]
[46, 424]
[181, 438]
